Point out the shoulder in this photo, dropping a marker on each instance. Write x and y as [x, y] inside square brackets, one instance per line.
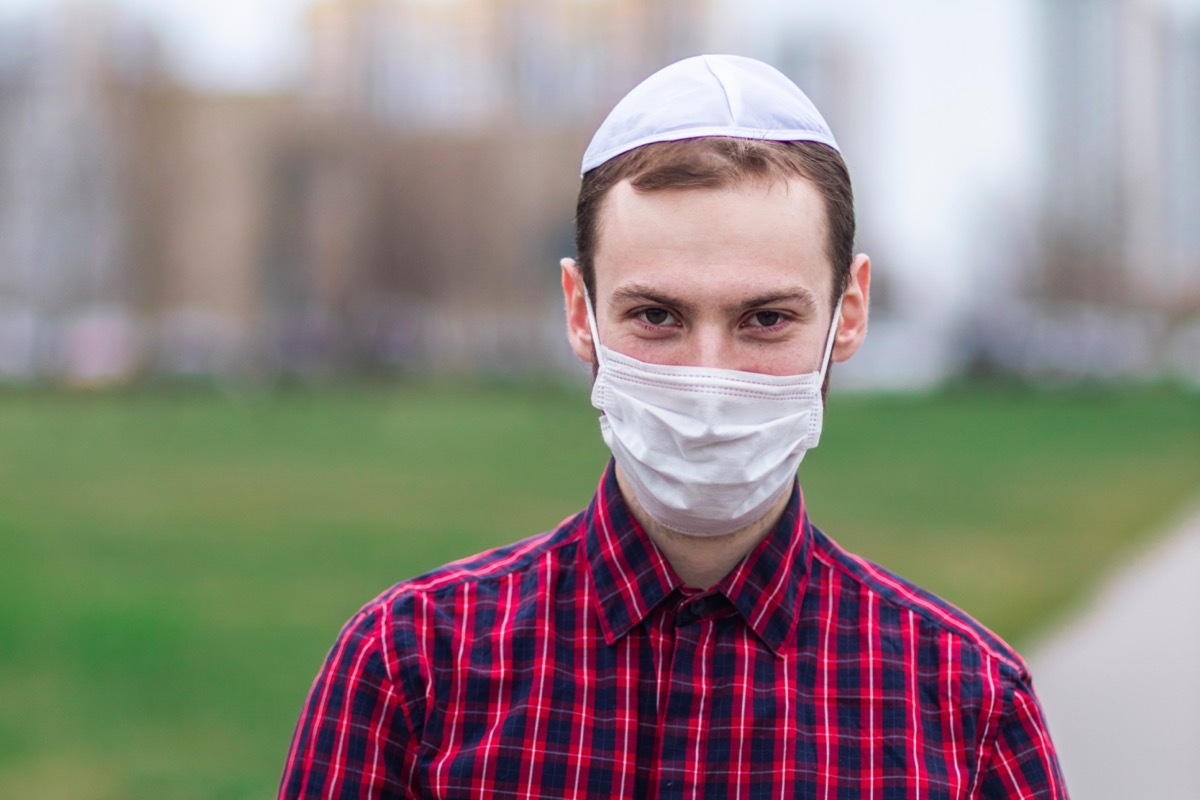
[406, 628]
[487, 571]
[936, 613]
[961, 663]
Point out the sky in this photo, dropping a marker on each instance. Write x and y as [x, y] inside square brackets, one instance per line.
[227, 44]
[248, 44]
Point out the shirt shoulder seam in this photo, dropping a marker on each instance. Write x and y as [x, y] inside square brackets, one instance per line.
[881, 585]
[481, 568]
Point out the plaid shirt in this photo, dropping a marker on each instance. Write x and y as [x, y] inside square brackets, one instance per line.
[577, 664]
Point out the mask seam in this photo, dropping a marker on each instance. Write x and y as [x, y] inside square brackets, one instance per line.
[622, 370]
[796, 394]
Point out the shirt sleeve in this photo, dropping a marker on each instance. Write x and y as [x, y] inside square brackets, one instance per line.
[1022, 762]
[353, 736]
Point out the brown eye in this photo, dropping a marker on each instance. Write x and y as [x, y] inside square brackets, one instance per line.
[766, 319]
[656, 316]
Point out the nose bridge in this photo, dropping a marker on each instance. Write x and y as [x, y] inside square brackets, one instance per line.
[711, 346]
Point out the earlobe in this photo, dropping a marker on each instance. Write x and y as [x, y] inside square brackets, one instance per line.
[855, 309]
[579, 332]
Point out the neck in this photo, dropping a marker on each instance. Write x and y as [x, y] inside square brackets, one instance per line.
[702, 561]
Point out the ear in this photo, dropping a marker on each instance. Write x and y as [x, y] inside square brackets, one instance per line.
[579, 333]
[852, 328]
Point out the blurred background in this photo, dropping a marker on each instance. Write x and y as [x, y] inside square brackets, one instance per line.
[246, 190]
[280, 325]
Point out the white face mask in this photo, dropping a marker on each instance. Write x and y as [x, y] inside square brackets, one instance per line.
[707, 451]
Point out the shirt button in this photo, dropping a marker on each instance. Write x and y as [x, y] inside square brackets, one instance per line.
[696, 611]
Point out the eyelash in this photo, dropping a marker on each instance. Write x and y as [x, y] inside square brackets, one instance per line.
[638, 316]
[783, 320]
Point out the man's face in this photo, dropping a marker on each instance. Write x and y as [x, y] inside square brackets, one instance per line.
[735, 278]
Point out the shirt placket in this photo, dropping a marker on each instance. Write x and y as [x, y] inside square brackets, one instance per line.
[684, 701]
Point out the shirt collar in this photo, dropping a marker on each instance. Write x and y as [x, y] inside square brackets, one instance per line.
[632, 577]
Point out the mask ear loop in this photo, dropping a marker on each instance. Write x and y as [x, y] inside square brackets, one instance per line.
[833, 327]
[591, 314]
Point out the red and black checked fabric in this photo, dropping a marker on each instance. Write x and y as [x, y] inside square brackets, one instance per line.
[575, 664]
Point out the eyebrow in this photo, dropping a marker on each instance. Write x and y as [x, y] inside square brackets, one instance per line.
[638, 293]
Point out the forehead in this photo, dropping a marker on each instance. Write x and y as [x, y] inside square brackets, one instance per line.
[757, 230]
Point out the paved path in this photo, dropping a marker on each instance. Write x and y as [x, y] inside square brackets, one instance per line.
[1121, 685]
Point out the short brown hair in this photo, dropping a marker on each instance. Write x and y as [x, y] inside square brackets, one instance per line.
[720, 162]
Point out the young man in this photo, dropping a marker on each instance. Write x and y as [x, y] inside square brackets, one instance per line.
[690, 634]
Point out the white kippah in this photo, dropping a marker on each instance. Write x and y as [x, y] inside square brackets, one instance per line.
[709, 96]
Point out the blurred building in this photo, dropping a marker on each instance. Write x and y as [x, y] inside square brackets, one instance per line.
[68, 272]
[463, 66]
[133, 210]
[407, 207]
[1116, 293]
[206, 198]
[441, 176]
[1124, 182]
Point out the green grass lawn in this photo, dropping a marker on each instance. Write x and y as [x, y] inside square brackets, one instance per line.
[174, 565]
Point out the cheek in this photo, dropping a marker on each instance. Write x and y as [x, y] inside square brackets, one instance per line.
[788, 360]
[649, 351]
[772, 366]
